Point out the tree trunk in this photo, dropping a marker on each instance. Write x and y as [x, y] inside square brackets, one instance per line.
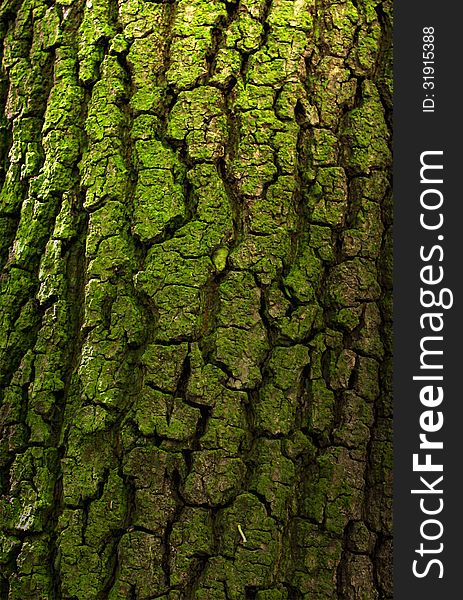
[195, 299]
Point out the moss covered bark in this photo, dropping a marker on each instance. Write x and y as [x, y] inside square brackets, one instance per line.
[195, 300]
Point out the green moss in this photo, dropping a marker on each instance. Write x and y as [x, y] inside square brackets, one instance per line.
[227, 66]
[353, 281]
[204, 384]
[341, 367]
[274, 213]
[157, 204]
[368, 46]
[314, 560]
[367, 380]
[90, 419]
[163, 365]
[262, 255]
[273, 477]
[152, 472]
[328, 196]
[151, 410]
[369, 341]
[141, 568]
[191, 538]
[365, 132]
[321, 240]
[303, 279]
[198, 119]
[96, 27]
[215, 478]
[299, 325]
[348, 318]
[253, 558]
[31, 579]
[84, 466]
[219, 258]
[174, 281]
[106, 515]
[276, 409]
[227, 425]
[356, 420]
[321, 408]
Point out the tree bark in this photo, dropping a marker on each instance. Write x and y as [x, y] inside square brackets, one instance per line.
[195, 300]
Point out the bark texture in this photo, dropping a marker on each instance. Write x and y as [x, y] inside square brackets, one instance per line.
[195, 300]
